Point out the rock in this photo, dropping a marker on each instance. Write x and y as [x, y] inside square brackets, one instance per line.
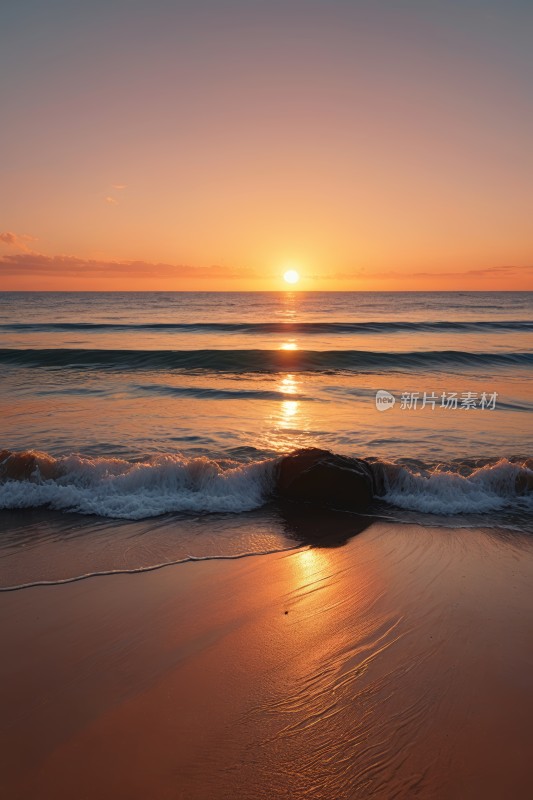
[321, 477]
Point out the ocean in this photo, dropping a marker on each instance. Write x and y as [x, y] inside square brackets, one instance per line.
[167, 412]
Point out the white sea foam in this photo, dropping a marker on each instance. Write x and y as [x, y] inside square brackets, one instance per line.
[169, 483]
[123, 490]
[490, 488]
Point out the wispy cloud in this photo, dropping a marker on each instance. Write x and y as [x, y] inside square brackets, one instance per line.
[485, 272]
[35, 265]
[117, 187]
[17, 240]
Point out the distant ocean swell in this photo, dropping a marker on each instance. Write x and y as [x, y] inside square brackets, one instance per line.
[172, 483]
[241, 361]
[279, 327]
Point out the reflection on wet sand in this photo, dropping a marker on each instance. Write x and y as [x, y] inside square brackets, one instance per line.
[367, 671]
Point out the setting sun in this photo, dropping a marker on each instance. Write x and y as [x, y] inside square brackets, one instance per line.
[291, 276]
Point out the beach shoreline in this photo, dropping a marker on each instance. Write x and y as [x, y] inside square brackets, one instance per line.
[396, 664]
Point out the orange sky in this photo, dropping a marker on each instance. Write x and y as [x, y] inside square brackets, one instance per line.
[212, 145]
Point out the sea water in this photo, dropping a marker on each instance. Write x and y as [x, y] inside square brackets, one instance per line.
[178, 405]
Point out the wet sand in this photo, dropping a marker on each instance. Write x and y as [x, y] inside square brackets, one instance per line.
[397, 665]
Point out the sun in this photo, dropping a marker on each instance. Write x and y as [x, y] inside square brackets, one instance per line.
[291, 276]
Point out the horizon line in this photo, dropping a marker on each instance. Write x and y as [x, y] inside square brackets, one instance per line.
[266, 291]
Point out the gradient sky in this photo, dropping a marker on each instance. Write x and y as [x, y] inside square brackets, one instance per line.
[209, 144]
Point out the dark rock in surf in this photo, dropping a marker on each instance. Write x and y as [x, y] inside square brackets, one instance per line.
[321, 477]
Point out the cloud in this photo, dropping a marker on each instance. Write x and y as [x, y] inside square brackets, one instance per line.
[32, 265]
[487, 271]
[496, 272]
[9, 238]
[112, 201]
[17, 240]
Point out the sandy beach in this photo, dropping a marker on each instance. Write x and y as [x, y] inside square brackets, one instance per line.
[397, 665]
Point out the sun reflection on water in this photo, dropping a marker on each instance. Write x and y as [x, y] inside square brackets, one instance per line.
[288, 385]
[288, 302]
[286, 424]
[289, 409]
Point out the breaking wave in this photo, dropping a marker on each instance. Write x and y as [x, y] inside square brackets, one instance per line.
[171, 483]
[444, 491]
[122, 489]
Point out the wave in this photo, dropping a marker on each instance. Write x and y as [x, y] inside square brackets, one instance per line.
[151, 568]
[280, 327]
[172, 483]
[444, 491]
[112, 487]
[241, 361]
[205, 393]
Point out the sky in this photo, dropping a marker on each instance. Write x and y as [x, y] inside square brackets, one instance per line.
[214, 144]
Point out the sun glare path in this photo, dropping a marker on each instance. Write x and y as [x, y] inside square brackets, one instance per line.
[288, 385]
